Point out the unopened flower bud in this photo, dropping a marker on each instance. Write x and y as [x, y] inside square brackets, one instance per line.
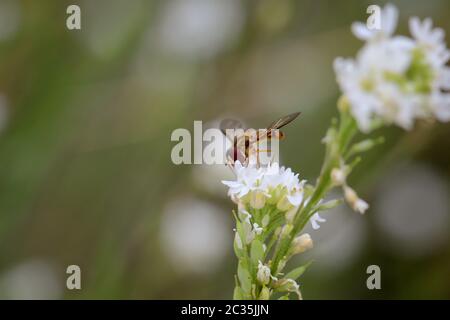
[343, 104]
[238, 241]
[250, 236]
[285, 284]
[354, 201]
[286, 230]
[281, 265]
[265, 220]
[257, 200]
[263, 274]
[290, 215]
[244, 216]
[366, 145]
[338, 176]
[350, 195]
[288, 285]
[302, 243]
[277, 231]
[275, 195]
[244, 200]
[248, 232]
[284, 204]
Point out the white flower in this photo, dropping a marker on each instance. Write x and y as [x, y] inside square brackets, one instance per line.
[395, 78]
[388, 23]
[399, 107]
[315, 219]
[443, 78]
[440, 104]
[246, 179]
[361, 206]
[296, 196]
[279, 176]
[273, 184]
[431, 40]
[263, 274]
[369, 92]
[352, 80]
[257, 229]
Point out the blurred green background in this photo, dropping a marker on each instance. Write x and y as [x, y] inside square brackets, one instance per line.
[85, 171]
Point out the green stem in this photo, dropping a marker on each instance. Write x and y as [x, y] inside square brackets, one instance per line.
[339, 138]
[347, 130]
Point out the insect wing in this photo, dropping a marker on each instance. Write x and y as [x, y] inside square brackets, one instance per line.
[283, 121]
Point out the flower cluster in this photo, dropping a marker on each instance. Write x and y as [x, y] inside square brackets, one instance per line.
[272, 184]
[268, 200]
[393, 79]
[396, 79]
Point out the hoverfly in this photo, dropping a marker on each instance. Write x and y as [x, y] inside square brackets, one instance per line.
[246, 144]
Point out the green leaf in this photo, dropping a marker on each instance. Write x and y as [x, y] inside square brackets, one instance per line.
[285, 297]
[240, 253]
[364, 146]
[245, 278]
[297, 272]
[237, 293]
[240, 231]
[264, 294]
[256, 251]
[328, 205]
